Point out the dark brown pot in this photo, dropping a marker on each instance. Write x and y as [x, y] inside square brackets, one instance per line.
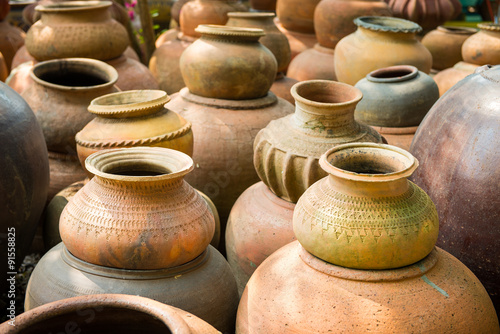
[263, 5]
[11, 40]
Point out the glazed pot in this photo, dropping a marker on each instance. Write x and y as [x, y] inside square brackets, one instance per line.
[204, 287]
[130, 119]
[299, 42]
[454, 146]
[447, 78]
[313, 64]
[379, 42]
[366, 214]
[108, 313]
[293, 291]
[396, 96]
[263, 5]
[400, 136]
[147, 216]
[11, 40]
[297, 15]
[259, 224]
[333, 19]
[483, 47]
[287, 150]
[445, 45]
[98, 35]
[228, 63]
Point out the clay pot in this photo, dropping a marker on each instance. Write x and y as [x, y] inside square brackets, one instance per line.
[11, 39]
[24, 180]
[204, 287]
[168, 35]
[396, 96]
[98, 35]
[132, 74]
[65, 169]
[293, 291]
[483, 47]
[297, 15]
[198, 12]
[379, 42]
[228, 63]
[312, 64]
[445, 45]
[259, 224]
[281, 87]
[175, 11]
[108, 313]
[4, 9]
[263, 5]
[273, 39]
[449, 77]
[299, 42]
[287, 150]
[365, 214]
[147, 216]
[400, 136]
[4, 72]
[459, 172]
[60, 93]
[333, 19]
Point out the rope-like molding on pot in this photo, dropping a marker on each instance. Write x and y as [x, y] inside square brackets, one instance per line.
[489, 26]
[223, 31]
[412, 27]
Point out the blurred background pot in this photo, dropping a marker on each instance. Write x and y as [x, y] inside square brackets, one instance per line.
[447, 78]
[483, 47]
[297, 15]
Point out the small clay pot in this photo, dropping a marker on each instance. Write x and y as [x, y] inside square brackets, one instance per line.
[313, 64]
[297, 15]
[451, 76]
[483, 47]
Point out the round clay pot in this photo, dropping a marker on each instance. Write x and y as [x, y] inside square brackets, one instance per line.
[168, 35]
[204, 286]
[396, 96]
[365, 214]
[4, 9]
[4, 72]
[447, 78]
[293, 291]
[379, 42]
[107, 313]
[78, 29]
[19, 78]
[263, 5]
[297, 15]
[175, 11]
[259, 224]
[132, 74]
[11, 40]
[65, 169]
[400, 136]
[228, 63]
[313, 64]
[287, 150]
[273, 39]
[281, 87]
[334, 19]
[454, 144]
[299, 42]
[147, 216]
[483, 47]
[445, 45]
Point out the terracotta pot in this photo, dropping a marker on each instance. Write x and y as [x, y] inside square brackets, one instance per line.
[427, 13]
[400, 137]
[445, 45]
[483, 47]
[396, 96]
[263, 5]
[287, 150]
[24, 180]
[11, 39]
[228, 63]
[293, 291]
[313, 64]
[65, 169]
[108, 313]
[4, 72]
[4, 9]
[259, 224]
[19, 78]
[132, 74]
[454, 145]
[281, 87]
[59, 95]
[449, 77]
[198, 12]
[147, 216]
[298, 41]
[379, 42]
[297, 15]
[168, 35]
[273, 39]
[176, 10]
[204, 287]
[98, 35]
[334, 19]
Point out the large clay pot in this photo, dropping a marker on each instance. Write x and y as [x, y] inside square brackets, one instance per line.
[400, 137]
[483, 47]
[228, 63]
[447, 78]
[379, 42]
[259, 224]
[204, 287]
[24, 181]
[299, 42]
[313, 64]
[175, 11]
[287, 150]
[263, 5]
[107, 313]
[297, 15]
[445, 45]
[294, 292]
[4, 72]
[455, 145]
[147, 216]
[11, 40]
[132, 74]
[78, 29]
[4, 9]
[65, 169]
[281, 87]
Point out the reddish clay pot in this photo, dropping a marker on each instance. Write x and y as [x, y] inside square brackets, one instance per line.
[281, 87]
[297, 15]
[4, 9]
[11, 40]
[132, 74]
[483, 47]
[263, 5]
[168, 35]
[65, 169]
[175, 11]
[400, 137]
[298, 41]
[449, 77]
[19, 78]
[4, 72]
[259, 224]
[313, 64]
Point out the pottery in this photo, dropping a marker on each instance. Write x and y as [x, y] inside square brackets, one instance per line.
[11, 40]
[483, 47]
[65, 169]
[168, 35]
[132, 74]
[293, 291]
[447, 78]
[298, 41]
[4, 9]
[228, 63]
[99, 36]
[204, 287]
[445, 45]
[395, 96]
[454, 146]
[379, 42]
[297, 15]
[263, 5]
[259, 224]
[175, 11]
[281, 87]
[287, 150]
[397, 136]
[108, 313]
[147, 216]
[4, 72]
[312, 64]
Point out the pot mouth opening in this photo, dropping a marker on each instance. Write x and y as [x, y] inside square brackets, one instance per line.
[325, 92]
[458, 30]
[228, 31]
[68, 6]
[251, 15]
[131, 103]
[393, 74]
[387, 24]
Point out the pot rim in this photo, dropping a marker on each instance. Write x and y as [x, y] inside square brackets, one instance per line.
[489, 26]
[252, 15]
[228, 31]
[71, 6]
[387, 24]
[458, 30]
[325, 84]
[374, 76]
